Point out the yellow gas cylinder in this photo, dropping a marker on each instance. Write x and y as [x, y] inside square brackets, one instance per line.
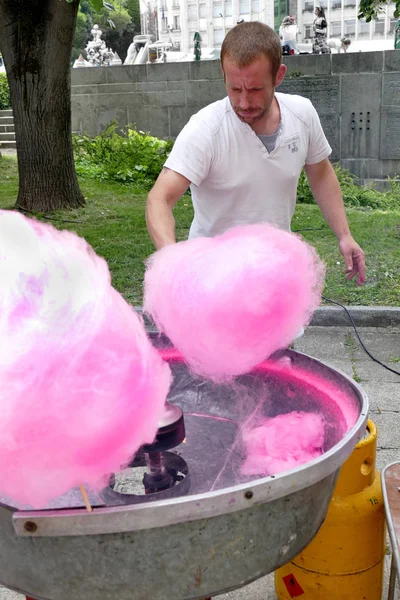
[345, 560]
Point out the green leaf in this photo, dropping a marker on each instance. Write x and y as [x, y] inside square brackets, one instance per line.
[97, 4]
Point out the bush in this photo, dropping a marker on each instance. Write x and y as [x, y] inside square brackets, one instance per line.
[132, 156]
[4, 92]
[354, 195]
[127, 157]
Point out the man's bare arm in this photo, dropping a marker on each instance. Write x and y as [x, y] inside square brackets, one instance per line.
[167, 190]
[327, 193]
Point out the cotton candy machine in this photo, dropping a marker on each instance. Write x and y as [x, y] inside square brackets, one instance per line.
[183, 523]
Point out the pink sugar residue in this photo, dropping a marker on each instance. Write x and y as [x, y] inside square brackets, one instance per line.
[328, 395]
[282, 443]
[289, 440]
[81, 386]
[228, 302]
[325, 391]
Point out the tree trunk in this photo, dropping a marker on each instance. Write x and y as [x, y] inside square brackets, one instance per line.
[36, 39]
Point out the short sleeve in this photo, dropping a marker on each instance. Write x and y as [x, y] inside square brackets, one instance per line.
[318, 146]
[192, 153]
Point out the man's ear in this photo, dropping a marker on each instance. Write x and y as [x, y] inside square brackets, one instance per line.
[223, 72]
[280, 75]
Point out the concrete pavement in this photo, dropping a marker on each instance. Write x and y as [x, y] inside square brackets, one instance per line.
[339, 347]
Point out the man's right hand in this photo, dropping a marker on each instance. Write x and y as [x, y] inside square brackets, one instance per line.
[167, 190]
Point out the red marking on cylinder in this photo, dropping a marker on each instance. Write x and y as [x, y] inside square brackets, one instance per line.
[293, 586]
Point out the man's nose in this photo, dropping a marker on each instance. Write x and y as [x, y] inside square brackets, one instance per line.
[244, 100]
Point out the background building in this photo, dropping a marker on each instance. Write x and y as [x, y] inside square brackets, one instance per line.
[177, 21]
[341, 16]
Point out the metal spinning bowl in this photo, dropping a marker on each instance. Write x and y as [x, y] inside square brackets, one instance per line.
[224, 532]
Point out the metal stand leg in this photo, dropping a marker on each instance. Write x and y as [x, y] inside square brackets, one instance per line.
[392, 580]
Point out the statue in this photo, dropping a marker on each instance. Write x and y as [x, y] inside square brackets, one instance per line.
[97, 52]
[197, 46]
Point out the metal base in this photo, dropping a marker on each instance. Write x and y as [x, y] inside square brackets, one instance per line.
[173, 464]
[209, 541]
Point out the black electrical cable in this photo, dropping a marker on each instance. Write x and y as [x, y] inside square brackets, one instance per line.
[358, 336]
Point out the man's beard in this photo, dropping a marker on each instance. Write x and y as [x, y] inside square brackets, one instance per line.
[259, 113]
[249, 119]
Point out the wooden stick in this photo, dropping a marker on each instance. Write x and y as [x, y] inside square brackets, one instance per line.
[86, 499]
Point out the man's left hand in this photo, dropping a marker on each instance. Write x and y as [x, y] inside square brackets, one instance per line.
[354, 258]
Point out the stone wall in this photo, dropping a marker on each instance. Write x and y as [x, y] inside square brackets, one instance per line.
[357, 96]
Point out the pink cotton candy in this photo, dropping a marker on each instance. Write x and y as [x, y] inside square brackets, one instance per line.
[282, 443]
[327, 392]
[81, 387]
[229, 302]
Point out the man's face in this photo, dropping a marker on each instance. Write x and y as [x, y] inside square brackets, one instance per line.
[251, 89]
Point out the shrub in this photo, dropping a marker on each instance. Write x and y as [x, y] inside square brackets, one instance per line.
[129, 156]
[354, 195]
[4, 92]
[133, 157]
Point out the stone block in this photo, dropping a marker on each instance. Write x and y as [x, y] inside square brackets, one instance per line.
[151, 86]
[201, 93]
[173, 86]
[82, 105]
[89, 75]
[207, 69]
[176, 98]
[117, 88]
[85, 89]
[322, 91]
[82, 102]
[360, 167]
[331, 125]
[360, 126]
[357, 62]
[151, 119]
[179, 116]
[99, 118]
[372, 168]
[391, 60]
[126, 74]
[308, 64]
[168, 72]
[391, 89]
[75, 122]
[125, 100]
[390, 127]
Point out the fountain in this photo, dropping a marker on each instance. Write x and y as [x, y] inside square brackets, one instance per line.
[98, 55]
[182, 522]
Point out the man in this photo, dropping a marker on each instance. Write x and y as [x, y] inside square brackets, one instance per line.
[242, 156]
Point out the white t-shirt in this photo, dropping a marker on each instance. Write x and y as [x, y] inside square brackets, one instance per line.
[288, 33]
[234, 179]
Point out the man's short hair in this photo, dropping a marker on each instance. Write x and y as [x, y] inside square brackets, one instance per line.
[246, 42]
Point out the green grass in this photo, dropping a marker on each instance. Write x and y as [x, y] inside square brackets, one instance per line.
[113, 223]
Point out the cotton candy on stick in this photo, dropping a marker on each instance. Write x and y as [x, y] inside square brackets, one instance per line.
[229, 302]
[81, 387]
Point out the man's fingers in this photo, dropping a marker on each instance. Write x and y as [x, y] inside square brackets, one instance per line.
[361, 270]
[358, 268]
